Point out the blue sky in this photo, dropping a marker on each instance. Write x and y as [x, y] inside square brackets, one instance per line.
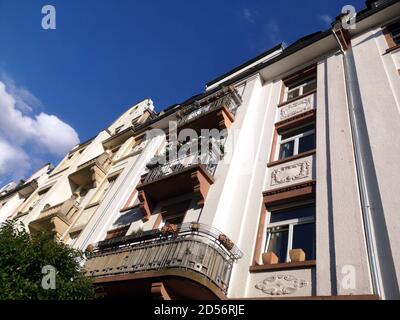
[106, 55]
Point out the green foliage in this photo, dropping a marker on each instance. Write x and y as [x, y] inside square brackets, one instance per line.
[22, 257]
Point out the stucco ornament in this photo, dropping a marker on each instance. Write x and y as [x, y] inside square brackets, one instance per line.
[297, 107]
[291, 173]
[281, 285]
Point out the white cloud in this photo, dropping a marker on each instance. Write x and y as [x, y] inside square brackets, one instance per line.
[325, 19]
[21, 132]
[249, 15]
[14, 162]
[274, 32]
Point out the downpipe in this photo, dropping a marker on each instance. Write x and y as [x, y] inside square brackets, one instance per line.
[353, 104]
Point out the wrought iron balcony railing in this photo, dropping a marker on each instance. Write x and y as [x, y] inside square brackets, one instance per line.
[231, 101]
[208, 155]
[188, 247]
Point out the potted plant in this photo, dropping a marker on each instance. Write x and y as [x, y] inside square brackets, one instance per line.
[226, 242]
[297, 255]
[270, 258]
[137, 233]
[169, 229]
[194, 226]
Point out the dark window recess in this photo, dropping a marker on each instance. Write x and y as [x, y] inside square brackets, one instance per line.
[296, 132]
[394, 31]
[304, 238]
[287, 150]
[279, 242]
[292, 213]
[175, 213]
[307, 143]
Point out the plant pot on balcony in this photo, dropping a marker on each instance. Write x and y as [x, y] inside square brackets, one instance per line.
[269, 258]
[169, 229]
[226, 242]
[194, 226]
[297, 255]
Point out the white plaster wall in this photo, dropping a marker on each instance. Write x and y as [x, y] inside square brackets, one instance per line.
[297, 283]
[348, 232]
[115, 199]
[380, 90]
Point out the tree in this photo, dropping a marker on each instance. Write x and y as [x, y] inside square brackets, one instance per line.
[27, 260]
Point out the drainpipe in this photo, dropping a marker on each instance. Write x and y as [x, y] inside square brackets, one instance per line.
[354, 104]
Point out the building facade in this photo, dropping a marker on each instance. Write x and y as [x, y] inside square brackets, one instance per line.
[280, 180]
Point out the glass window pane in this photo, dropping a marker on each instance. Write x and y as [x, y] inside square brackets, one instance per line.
[175, 219]
[310, 86]
[293, 94]
[292, 213]
[279, 242]
[296, 132]
[304, 238]
[286, 150]
[307, 143]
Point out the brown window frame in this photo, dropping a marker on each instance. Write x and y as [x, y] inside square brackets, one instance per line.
[262, 226]
[303, 74]
[389, 38]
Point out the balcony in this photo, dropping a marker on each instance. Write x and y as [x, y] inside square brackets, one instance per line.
[193, 261]
[28, 188]
[92, 172]
[55, 219]
[190, 173]
[215, 112]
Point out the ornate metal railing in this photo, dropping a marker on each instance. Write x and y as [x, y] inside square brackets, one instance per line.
[231, 100]
[190, 246]
[205, 152]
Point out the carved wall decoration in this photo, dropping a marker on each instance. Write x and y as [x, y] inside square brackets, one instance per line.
[281, 285]
[291, 173]
[297, 107]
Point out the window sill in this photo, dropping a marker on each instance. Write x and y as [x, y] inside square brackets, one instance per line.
[394, 48]
[129, 208]
[297, 98]
[297, 156]
[58, 172]
[92, 205]
[283, 266]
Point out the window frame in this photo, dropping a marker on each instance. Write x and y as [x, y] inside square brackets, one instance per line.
[389, 36]
[303, 82]
[291, 223]
[295, 138]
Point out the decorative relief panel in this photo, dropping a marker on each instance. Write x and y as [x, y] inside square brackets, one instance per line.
[291, 173]
[281, 285]
[296, 107]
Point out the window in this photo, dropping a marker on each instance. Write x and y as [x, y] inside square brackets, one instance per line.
[113, 152]
[104, 189]
[297, 141]
[69, 159]
[292, 228]
[301, 87]
[135, 121]
[175, 213]
[118, 129]
[392, 34]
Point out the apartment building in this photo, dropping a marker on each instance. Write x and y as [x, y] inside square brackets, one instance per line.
[14, 195]
[293, 196]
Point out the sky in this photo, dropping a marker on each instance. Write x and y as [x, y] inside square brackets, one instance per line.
[61, 87]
